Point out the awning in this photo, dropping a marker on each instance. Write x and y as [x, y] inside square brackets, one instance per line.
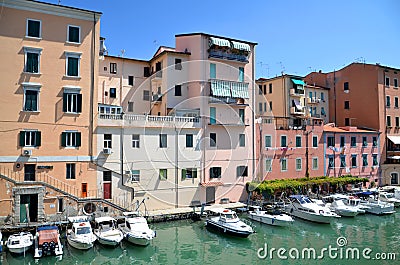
[212, 184]
[394, 138]
[220, 88]
[393, 157]
[297, 104]
[240, 90]
[240, 46]
[219, 42]
[298, 82]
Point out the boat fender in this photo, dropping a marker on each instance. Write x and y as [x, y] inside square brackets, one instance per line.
[224, 230]
[155, 233]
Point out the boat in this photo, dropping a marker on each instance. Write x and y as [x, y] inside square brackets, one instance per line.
[106, 231]
[302, 207]
[389, 197]
[19, 243]
[47, 242]
[136, 230]
[342, 209]
[1, 242]
[80, 235]
[376, 207]
[229, 223]
[271, 217]
[354, 202]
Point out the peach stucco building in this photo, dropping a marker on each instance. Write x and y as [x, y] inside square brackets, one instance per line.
[49, 87]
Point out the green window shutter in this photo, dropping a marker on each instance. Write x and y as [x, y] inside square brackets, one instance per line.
[194, 173]
[79, 103]
[65, 96]
[21, 138]
[183, 174]
[78, 139]
[38, 138]
[64, 139]
[213, 70]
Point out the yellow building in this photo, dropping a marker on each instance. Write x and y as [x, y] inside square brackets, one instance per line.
[49, 73]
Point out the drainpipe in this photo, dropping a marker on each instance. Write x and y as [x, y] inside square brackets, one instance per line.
[252, 113]
[334, 94]
[91, 103]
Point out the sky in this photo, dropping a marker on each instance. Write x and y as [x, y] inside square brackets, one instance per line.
[294, 37]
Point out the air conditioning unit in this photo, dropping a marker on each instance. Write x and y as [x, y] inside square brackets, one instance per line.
[27, 152]
[107, 151]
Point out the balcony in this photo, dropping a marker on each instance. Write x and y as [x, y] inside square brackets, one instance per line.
[156, 75]
[296, 92]
[129, 120]
[228, 55]
[239, 102]
[313, 100]
[296, 111]
[213, 122]
[157, 98]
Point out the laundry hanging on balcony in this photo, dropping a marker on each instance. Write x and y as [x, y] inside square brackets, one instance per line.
[296, 103]
[220, 88]
[240, 90]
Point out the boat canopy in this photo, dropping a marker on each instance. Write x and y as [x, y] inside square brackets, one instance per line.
[48, 235]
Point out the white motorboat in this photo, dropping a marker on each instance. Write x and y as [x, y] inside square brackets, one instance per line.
[106, 231]
[389, 197]
[19, 243]
[304, 208]
[80, 235]
[136, 230]
[342, 209]
[272, 217]
[47, 242]
[353, 202]
[229, 223]
[377, 207]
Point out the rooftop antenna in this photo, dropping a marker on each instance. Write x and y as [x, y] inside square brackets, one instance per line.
[122, 52]
[59, 1]
[282, 68]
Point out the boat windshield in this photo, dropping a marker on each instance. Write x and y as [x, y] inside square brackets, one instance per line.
[389, 196]
[231, 216]
[83, 230]
[303, 200]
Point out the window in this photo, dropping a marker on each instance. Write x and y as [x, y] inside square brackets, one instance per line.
[331, 141]
[113, 92]
[265, 89]
[375, 160]
[315, 141]
[395, 83]
[60, 205]
[284, 164]
[397, 122]
[135, 141]
[241, 116]
[353, 141]
[130, 106]
[107, 175]
[178, 64]
[242, 140]
[31, 98]
[331, 162]
[388, 101]
[268, 141]
[146, 95]
[364, 141]
[163, 174]
[268, 164]
[265, 106]
[70, 139]
[342, 141]
[346, 86]
[346, 122]
[347, 104]
[135, 175]
[30, 138]
[107, 141]
[260, 89]
[298, 141]
[32, 60]
[33, 28]
[213, 71]
[283, 141]
[72, 64]
[213, 113]
[241, 74]
[189, 173]
[396, 102]
[189, 140]
[72, 102]
[342, 161]
[131, 80]
[374, 141]
[70, 171]
[323, 113]
[107, 109]
[388, 121]
[74, 34]
[270, 88]
[315, 163]
[215, 172]
[298, 164]
[213, 139]
[394, 178]
[241, 171]
[146, 71]
[270, 106]
[260, 107]
[365, 160]
[113, 68]
[353, 161]
[178, 90]
[387, 81]
[322, 96]
[163, 141]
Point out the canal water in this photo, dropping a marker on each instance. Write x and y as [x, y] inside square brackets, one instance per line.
[186, 242]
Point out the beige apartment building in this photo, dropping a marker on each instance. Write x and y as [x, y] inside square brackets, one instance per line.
[49, 91]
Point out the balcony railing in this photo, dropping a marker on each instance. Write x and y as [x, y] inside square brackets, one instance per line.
[313, 100]
[297, 92]
[221, 54]
[296, 111]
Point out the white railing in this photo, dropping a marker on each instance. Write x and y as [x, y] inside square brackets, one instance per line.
[149, 118]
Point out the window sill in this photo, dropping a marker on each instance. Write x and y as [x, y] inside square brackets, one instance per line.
[33, 38]
[72, 77]
[73, 43]
[72, 113]
[31, 111]
[70, 147]
[34, 74]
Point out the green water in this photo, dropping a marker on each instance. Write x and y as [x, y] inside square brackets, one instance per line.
[185, 242]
